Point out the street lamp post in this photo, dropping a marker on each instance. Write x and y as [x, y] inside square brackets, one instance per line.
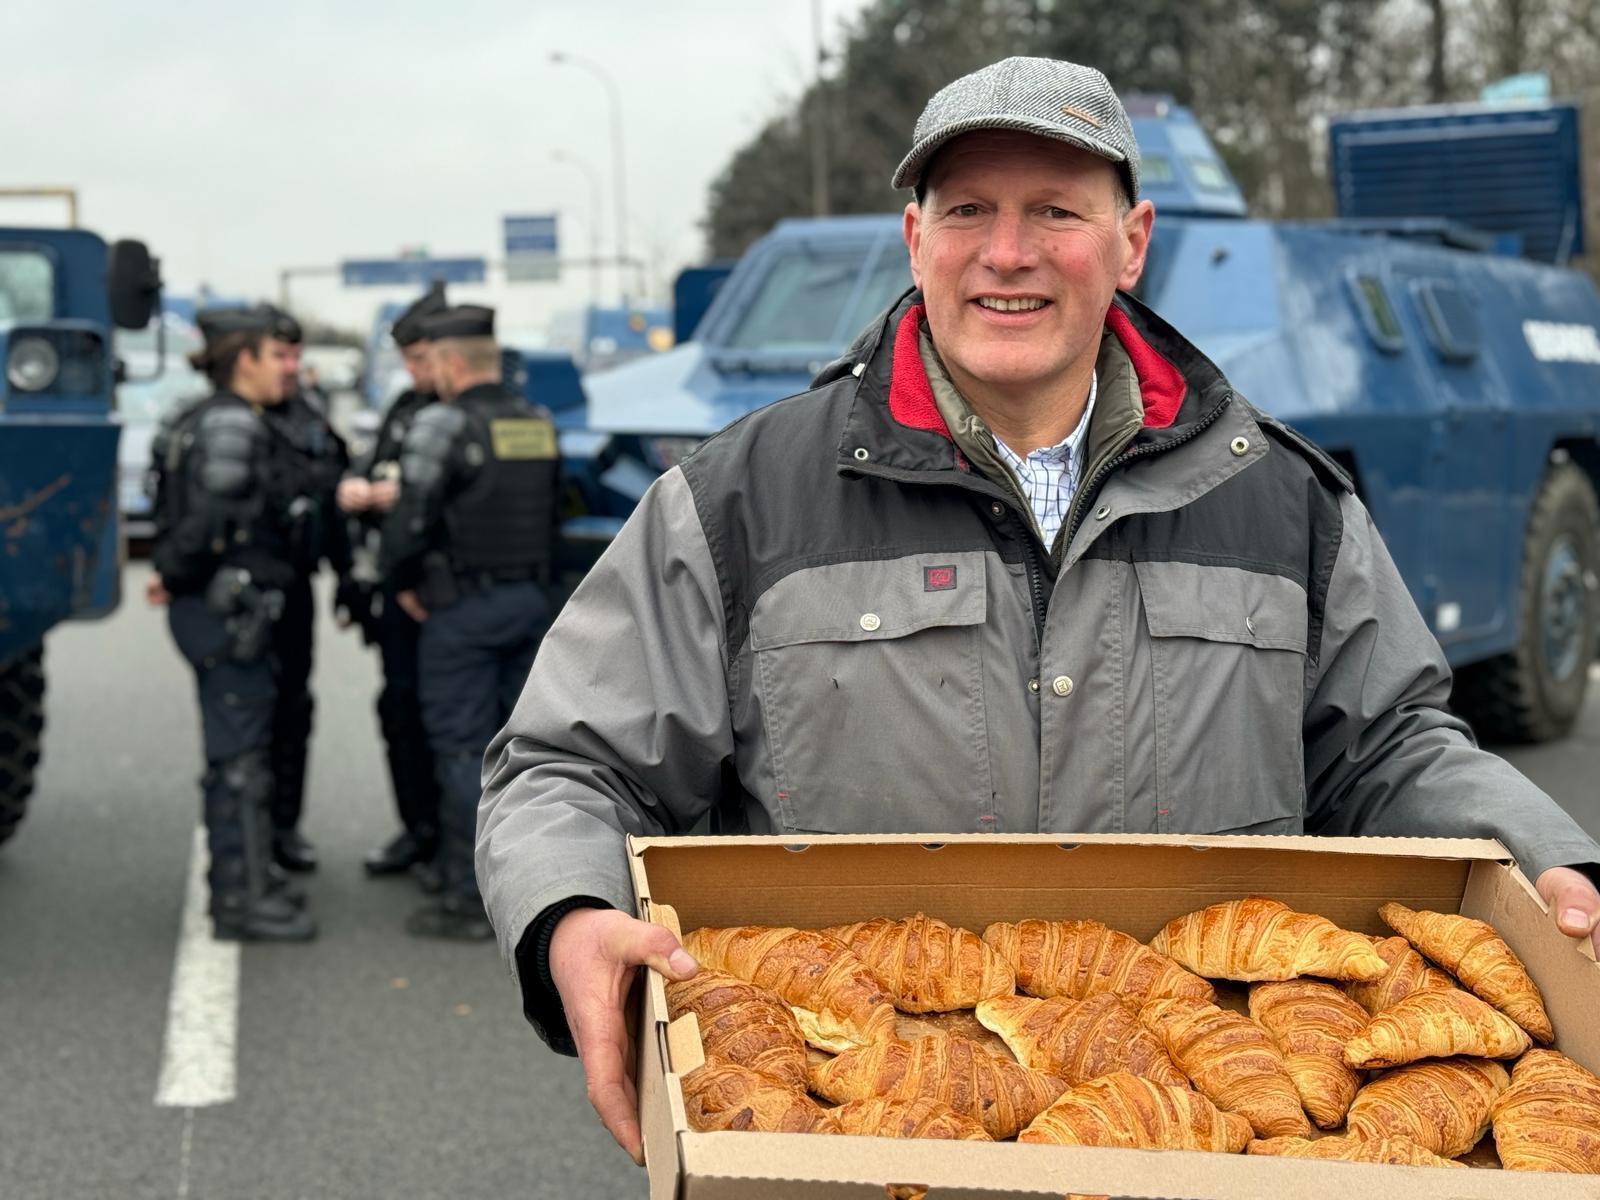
[572, 160]
[599, 72]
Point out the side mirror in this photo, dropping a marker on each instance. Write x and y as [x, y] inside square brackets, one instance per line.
[133, 284]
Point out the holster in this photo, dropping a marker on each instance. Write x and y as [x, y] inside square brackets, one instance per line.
[438, 589]
[247, 611]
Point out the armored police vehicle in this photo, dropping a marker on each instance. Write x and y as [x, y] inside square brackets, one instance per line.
[1431, 340]
[61, 291]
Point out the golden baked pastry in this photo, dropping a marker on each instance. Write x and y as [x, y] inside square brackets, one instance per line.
[1442, 1104]
[1132, 1112]
[1079, 959]
[918, 1117]
[723, 1095]
[1408, 972]
[1080, 1039]
[1311, 1021]
[1479, 958]
[1436, 1025]
[1399, 1151]
[1000, 1095]
[1232, 1060]
[1549, 1118]
[1261, 939]
[742, 1023]
[926, 965]
[837, 1002]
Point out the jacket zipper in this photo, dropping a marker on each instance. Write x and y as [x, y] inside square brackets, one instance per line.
[1080, 504]
[1035, 569]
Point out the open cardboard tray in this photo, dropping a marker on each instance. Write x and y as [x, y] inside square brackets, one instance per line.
[1134, 883]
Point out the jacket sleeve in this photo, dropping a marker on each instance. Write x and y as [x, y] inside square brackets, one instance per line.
[427, 473]
[622, 728]
[1383, 756]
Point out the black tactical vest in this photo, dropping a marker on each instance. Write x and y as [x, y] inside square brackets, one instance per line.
[502, 523]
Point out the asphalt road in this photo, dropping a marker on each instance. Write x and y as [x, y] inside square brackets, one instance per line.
[369, 1064]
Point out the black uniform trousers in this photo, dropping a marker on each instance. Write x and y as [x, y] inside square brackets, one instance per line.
[237, 701]
[411, 769]
[474, 657]
[291, 716]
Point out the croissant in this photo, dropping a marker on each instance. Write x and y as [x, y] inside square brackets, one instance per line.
[1479, 958]
[1080, 1039]
[723, 1095]
[1232, 1060]
[926, 965]
[742, 1023]
[1311, 1021]
[915, 1118]
[1442, 1104]
[1549, 1118]
[1132, 1112]
[1079, 959]
[1399, 1151]
[1408, 972]
[1256, 938]
[1002, 1096]
[1436, 1025]
[837, 1002]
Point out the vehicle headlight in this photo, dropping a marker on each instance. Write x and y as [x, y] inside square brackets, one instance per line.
[32, 365]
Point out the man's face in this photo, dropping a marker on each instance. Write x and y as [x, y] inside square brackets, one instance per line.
[441, 362]
[418, 358]
[1013, 217]
[289, 364]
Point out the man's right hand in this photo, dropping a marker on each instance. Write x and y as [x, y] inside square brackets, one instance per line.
[595, 954]
[353, 495]
[155, 592]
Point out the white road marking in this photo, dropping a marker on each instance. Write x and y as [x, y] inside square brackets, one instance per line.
[199, 1054]
[1594, 672]
[188, 1148]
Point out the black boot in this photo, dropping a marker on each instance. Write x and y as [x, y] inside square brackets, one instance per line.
[399, 854]
[244, 904]
[458, 914]
[293, 851]
[456, 918]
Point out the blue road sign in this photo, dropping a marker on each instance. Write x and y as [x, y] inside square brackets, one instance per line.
[530, 235]
[410, 272]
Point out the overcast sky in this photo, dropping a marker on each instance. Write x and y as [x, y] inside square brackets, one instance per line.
[239, 139]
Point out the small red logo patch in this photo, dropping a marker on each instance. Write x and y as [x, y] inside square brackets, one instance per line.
[938, 579]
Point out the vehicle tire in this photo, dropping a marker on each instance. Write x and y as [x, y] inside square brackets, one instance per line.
[21, 728]
[1535, 693]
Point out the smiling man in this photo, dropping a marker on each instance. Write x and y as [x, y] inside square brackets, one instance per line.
[1022, 560]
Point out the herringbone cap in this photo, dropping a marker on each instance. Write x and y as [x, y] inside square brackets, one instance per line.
[1053, 99]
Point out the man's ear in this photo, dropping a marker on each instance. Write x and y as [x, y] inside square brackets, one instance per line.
[1136, 228]
[911, 230]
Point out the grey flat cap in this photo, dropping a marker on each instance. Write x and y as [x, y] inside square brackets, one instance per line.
[1053, 99]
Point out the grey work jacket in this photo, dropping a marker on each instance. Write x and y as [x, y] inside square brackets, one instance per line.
[825, 619]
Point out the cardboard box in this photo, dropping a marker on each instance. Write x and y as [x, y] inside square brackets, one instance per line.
[1132, 883]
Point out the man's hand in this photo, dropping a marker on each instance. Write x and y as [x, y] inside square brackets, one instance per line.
[1574, 901]
[353, 495]
[411, 606]
[384, 494]
[595, 954]
[155, 592]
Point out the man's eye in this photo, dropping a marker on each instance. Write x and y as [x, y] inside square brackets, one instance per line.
[964, 210]
[1058, 214]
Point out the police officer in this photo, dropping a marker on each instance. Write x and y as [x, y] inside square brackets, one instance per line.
[467, 550]
[368, 495]
[223, 557]
[317, 457]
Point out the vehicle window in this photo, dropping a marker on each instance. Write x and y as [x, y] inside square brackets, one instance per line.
[1448, 318]
[805, 292]
[145, 402]
[27, 286]
[1208, 173]
[1155, 168]
[889, 275]
[1377, 314]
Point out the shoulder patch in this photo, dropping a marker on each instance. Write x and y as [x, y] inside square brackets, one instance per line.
[1321, 461]
[522, 438]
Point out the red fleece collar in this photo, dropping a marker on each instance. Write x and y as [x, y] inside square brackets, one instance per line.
[911, 402]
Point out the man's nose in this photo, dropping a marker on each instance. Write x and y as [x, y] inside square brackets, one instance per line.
[1009, 245]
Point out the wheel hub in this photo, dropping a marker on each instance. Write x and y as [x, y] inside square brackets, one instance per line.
[1562, 596]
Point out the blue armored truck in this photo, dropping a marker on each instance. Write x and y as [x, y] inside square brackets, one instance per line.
[1431, 340]
[61, 292]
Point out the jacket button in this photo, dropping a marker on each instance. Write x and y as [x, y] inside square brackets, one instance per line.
[997, 509]
[1033, 686]
[861, 454]
[870, 621]
[1061, 685]
[1101, 513]
[1240, 446]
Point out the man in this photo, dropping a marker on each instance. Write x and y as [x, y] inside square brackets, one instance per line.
[319, 458]
[368, 496]
[465, 550]
[1021, 561]
[223, 556]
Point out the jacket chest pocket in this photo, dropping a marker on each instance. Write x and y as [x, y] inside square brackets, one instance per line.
[1227, 660]
[870, 677]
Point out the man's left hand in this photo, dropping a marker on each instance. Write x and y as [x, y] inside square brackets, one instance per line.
[1573, 899]
[412, 606]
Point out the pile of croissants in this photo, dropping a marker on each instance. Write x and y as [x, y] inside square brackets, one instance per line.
[1071, 1032]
